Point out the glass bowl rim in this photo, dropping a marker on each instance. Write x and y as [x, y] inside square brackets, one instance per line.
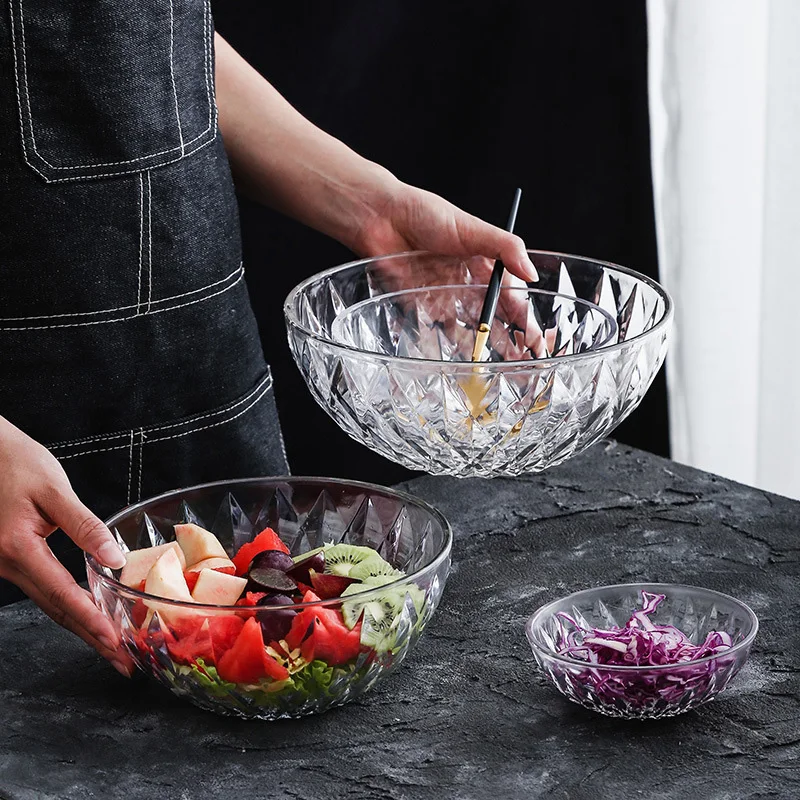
[547, 610]
[590, 306]
[468, 366]
[120, 588]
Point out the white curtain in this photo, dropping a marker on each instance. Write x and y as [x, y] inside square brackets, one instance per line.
[724, 80]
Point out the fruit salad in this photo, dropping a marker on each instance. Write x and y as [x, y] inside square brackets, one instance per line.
[277, 647]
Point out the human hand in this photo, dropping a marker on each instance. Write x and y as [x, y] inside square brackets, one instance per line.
[35, 499]
[408, 218]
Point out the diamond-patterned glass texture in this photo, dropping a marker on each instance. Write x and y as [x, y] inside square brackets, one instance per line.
[307, 513]
[385, 347]
[643, 692]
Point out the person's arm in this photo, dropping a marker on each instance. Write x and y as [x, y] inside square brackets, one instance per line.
[35, 499]
[282, 160]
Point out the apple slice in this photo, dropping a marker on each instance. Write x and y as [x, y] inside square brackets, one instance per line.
[166, 580]
[198, 544]
[217, 588]
[217, 563]
[139, 562]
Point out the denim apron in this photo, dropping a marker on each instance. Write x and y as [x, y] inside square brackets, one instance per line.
[127, 342]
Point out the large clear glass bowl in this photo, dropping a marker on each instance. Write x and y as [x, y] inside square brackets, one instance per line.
[641, 692]
[385, 346]
[306, 512]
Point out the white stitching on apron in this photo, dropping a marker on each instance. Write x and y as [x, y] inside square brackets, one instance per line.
[141, 246]
[213, 424]
[94, 176]
[19, 98]
[213, 111]
[225, 409]
[130, 471]
[260, 392]
[182, 147]
[141, 461]
[87, 440]
[265, 382]
[172, 69]
[149, 245]
[132, 316]
[230, 276]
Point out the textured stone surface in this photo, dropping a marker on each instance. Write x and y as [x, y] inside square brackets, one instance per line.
[466, 716]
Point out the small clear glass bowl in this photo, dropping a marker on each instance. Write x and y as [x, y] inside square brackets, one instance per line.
[306, 512]
[643, 692]
[385, 346]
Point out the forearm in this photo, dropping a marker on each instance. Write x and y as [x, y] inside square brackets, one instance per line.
[281, 159]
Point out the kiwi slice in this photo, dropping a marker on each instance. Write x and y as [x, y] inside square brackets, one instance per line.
[374, 567]
[341, 558]
[382, 611]
[304, 556]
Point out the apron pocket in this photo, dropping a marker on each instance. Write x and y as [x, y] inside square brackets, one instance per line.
[106, 88]
[241, 440]
[238, 440]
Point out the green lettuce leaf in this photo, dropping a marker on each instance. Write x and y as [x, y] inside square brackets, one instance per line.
[208, 677]
[312, 682]
[314, 679]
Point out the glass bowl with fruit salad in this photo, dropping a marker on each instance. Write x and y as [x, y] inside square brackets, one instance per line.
[385, 346]
[642, 651]
[274, 597]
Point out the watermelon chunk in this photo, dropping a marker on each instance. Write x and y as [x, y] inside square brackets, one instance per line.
[266, 540]
[250, 599]
[224, 631]
[247, 661]
[187, 649]
[191, 579]
[321, 633]
[208, 638]
[334, 645]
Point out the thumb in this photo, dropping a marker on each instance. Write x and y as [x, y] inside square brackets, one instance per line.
[66, 511]
[482, 239]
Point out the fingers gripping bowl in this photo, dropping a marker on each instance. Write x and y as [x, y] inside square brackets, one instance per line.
[385, 347]
[250, 659]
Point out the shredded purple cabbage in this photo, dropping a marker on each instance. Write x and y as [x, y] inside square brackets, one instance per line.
[642, 643]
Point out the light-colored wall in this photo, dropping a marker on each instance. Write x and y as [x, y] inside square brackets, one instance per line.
[725, 127]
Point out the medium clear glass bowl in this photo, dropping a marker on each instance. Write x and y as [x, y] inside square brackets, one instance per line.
[385, 347]
[306, 512]
[640, 692]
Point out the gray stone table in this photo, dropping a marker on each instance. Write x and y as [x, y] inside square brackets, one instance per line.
[466, 716]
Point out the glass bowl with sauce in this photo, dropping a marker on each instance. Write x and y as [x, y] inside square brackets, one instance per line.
[385, 346]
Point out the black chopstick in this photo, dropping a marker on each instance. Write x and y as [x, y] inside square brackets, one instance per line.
[493, 291]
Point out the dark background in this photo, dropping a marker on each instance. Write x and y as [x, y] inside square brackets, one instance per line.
[469, 100]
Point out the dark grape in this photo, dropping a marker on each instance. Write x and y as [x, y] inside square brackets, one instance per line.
[300, 570]
[275, 599]
[275, 624]
[272, 559]
[272, 580]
